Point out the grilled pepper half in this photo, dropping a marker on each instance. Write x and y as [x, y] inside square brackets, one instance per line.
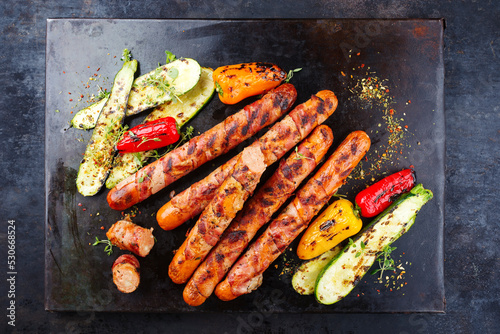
[149, 136]
[237, 82]
[376, 198]
[337, 223]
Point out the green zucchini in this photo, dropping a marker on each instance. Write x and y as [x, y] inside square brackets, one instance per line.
[346, 269]
[86, 118]
[304, 279]
[164, 84]
[182, 110]
[100, 150]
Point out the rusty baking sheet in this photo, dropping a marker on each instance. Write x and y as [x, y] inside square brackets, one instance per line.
[388, 76]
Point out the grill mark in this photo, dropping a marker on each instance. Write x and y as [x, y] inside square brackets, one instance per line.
[236, 236]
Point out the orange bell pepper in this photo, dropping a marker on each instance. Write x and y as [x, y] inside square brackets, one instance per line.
[235, 83]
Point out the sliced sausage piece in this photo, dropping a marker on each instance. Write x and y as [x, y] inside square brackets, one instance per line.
[205, 147]
[274, 144]
[256, 213]
[229, 199]
[246, 275]
[128, 236]
[126, 274]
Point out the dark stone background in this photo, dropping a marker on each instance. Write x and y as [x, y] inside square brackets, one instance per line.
[472, 137]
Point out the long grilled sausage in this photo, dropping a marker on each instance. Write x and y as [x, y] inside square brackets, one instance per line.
[126, 275]
[256, 213]
[274, 144]
[246, 275]
[132, 237]
[228, 200]
[205, 147]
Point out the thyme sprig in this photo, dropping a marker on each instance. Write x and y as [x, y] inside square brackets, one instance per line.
[109, 246]
[159, 81]
[385, 261]
[362, 246]
[300, 155]
[186, 135]
[126, 56]
[291, 72]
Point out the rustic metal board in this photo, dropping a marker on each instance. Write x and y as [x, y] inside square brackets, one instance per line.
[402, 56]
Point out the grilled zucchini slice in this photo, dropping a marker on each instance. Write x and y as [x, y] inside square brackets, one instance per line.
[86, 118]
[98, 157]
[346, 269]
[164, 84]
[304, 279]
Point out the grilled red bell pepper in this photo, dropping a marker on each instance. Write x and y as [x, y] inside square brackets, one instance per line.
[149, 136]
[377, 197]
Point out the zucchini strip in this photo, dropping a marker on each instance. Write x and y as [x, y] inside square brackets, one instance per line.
[304, 279]
[345, 270]
[98, 156]
[162, 85]
[86, 118]
[192, 102]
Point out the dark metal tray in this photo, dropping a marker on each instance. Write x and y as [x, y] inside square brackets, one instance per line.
[340, 55]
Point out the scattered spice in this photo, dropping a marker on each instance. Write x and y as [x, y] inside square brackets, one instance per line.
[373, 93]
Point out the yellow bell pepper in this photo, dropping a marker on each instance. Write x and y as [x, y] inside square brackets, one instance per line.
[338, 222]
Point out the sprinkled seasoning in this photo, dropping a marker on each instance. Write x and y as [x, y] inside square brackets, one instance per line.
[372, 93]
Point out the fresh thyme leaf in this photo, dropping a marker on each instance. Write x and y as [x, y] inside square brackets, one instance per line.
[170, 56]
[138, 158]
[385, 261]
[300, 155]
[126, 55]
[186, 135]
[109, 246]
[290, 74]
[160, 81]
[102, 93]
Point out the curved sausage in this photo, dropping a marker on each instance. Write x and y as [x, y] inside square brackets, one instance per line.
[246, 275]
[128, 236]
[228, 200]
[256, 213]
[274, 144]
[205, 147]
[126, 274]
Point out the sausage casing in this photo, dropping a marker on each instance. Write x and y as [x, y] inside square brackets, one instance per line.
[256, 213]
[126, 274]
[274, 144]
[205, 147]
[229, 199]
[128, 236]
[246, 275]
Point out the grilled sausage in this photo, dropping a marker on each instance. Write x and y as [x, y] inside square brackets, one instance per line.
[126, 275]
[274, 144]
[126, 235]
[246, 275]
[256, 213]
[229, 199]
[205, 147]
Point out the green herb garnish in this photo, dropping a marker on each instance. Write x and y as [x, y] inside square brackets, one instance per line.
[300, 155]
[290, 74]
[109, 246]
[126, 56]
[385, 261]
[170, 57]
